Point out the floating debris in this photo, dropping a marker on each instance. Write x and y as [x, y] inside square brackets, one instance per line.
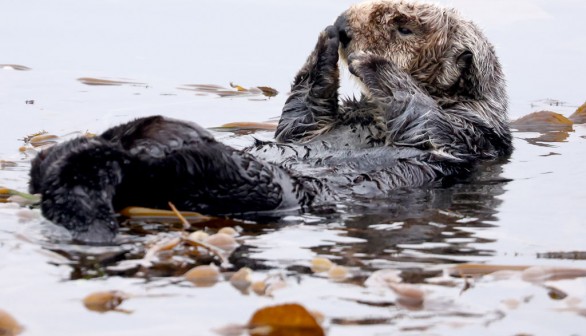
[11, 195]
[268, 91]
[540, 274]
[351, 321]
[229, 231]
[102, 302]
[259, 287]
[162, 245]
[246, 127]
[548, 101]
[8, 325]
[579, 117]
[242, 279]
[7, 164]
[14, 67]
[467, 270]
[338, 273]
[543, 121]
[383, 278]
[198, 236]
[42, 139]
[265, 90]
[222, 241]
[319, 265]
[184, 221]
[410, 296]
[203, 275]
[285, 319]
[149, 213]
[235, 90]
[108, 82]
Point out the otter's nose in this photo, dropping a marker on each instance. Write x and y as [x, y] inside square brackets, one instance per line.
[343, 29]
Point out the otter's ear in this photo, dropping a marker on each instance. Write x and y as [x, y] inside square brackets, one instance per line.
[468, 81]
[464, 61]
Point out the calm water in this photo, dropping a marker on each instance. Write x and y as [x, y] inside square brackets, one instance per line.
[528, 210]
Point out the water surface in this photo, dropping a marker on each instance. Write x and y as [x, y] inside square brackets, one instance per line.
[527, 210]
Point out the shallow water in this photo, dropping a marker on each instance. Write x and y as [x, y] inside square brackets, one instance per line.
[524, 211]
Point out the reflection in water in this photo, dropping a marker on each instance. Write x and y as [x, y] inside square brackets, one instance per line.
[543, 138]
[425, 226]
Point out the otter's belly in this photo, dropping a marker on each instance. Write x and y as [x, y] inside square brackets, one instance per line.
[340, 139]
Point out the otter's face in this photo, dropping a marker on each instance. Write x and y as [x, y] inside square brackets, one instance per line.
[400, 31]
[446, 54]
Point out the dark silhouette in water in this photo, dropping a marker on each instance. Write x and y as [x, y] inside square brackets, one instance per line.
[434, 104]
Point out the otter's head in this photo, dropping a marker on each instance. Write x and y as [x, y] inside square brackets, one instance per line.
[448, 55]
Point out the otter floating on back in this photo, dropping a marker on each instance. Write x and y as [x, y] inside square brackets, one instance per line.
[433, 104]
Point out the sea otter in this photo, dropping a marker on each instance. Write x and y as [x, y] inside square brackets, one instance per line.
[433, 104]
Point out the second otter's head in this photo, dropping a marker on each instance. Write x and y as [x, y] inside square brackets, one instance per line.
[448, 55]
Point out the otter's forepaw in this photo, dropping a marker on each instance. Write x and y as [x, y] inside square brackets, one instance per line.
[327, 49]
[369, 68]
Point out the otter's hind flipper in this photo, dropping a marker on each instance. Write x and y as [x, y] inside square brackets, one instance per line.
[77, 181]
[150, 162]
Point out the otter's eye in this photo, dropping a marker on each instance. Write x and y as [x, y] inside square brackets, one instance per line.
[404, 30]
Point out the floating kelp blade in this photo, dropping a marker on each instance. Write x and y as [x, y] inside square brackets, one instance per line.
[6, 193]
[102, 302]
[148, 213]
[245, 126]
[286, 319]
[8, 325]
[107, 82]
[14, 67]
[234, 90]
[579, 117]
[542, 121]
[465, 270]
[268, 91]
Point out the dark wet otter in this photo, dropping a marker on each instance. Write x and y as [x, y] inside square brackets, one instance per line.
[433, 105]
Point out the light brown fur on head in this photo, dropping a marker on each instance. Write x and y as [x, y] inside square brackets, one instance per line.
[447, 55]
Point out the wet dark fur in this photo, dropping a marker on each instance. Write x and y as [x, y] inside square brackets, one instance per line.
[399, 134]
